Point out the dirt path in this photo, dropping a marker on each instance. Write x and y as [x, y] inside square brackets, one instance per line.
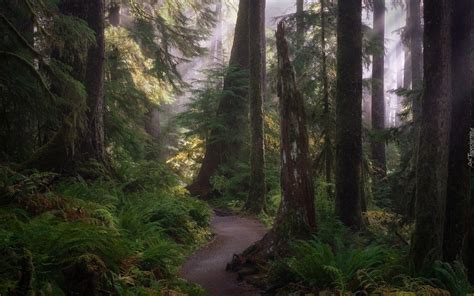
[206, 267]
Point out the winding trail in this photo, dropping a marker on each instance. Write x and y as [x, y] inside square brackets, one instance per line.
[206, 267]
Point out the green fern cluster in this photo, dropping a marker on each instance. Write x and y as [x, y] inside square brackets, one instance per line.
[77, 235]
[317, 265]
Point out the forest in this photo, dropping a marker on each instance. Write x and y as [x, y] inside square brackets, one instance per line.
[236, 147]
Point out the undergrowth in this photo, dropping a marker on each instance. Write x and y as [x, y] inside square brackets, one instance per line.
[375, 262]
[70, 235]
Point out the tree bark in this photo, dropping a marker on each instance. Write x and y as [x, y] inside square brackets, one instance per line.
[93, 144]
[432, 165]
[349, 113]
[415, 71]
[416, 40]
[295, 218]
[256, 197]
[407, 77]
[232, 112]
[299, 24]
[328, 154]
[378, 91]
[469, 239]
[458, 192]
[296, 215]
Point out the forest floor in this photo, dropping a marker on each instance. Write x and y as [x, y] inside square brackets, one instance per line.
[206, 267]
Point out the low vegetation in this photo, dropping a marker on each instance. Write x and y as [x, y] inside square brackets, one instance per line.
[65, 234]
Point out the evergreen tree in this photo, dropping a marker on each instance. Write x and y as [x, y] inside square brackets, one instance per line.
[458, 192]
[225, 142]
[349, 113]
[378, 91]
[89, 71]
[296, 215]
[328, 149]
[256, 197]
[295, 218]
[433, 150]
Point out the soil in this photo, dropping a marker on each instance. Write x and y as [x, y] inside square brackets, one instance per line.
[206, 267]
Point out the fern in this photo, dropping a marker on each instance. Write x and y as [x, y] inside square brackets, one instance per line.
[318, 266]
[452, 277]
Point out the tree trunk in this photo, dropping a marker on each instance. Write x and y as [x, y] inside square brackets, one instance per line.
[432, 165]
[300, 38]
[296, 215]
[349, 113]
[458, 192]
[415, 35]
[469, 240]
[398, 108]
[407, 77]
[415, 71]
[328, 154]
[256, 197]
[232, 112]
[93, 145]
[378, 91]
[299, 24]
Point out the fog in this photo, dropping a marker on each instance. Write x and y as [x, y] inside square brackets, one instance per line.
[220, 43]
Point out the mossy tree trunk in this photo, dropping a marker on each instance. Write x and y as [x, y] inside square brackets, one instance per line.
[432, 165]
[256, 197]
[378, 91]
[458, 194]
[221, 149]
[349, 113]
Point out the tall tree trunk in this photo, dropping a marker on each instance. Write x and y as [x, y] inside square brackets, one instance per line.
[94, 82]
[299, 24]
[215, 54]
[300, 36]
[349, 113]
[328, 154]
[232, 112]
[469, 240]
[399, 51]
[256, 197]
[432, 168]
[416, 40]
[296, 215]
[458, 192]
[378, 91]
[406, 43]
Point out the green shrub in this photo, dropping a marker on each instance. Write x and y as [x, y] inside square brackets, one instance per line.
[125, 243]
[317, 265]
[451, 277]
